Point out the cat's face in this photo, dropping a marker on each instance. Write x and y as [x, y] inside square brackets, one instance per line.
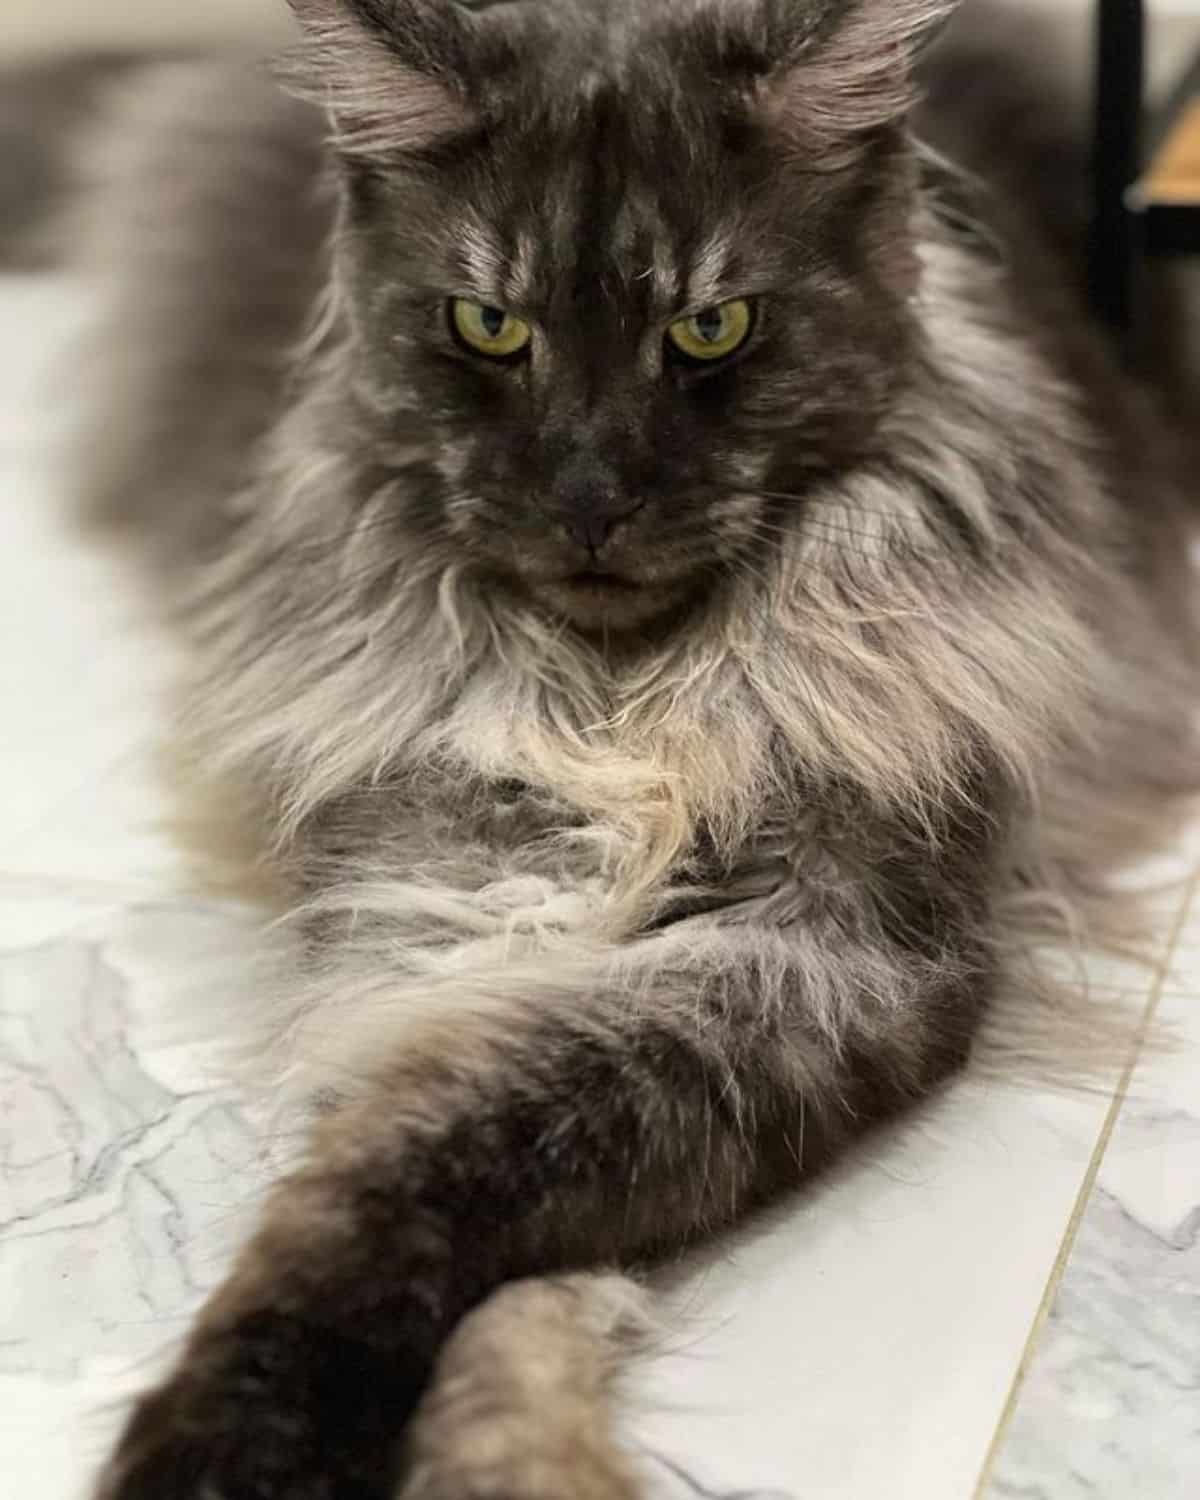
[629, 314]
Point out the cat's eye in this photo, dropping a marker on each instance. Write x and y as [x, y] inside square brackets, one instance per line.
[713, 334]
[489, 330]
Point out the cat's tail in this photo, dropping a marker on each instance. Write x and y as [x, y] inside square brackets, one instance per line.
[200, 231]
[523, 1394]
[49, 110]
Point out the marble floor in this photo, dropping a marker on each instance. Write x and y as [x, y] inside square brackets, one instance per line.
[999, 1299]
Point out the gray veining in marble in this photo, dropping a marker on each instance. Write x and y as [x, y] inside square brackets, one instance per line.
[1110, 1409]
[114, 1186]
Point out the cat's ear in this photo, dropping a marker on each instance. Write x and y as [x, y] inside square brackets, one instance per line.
[847, 68]
[391, 73]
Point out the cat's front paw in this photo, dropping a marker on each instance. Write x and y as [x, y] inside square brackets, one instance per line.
[272, 1410]
[498, 1464]
[519, 1408]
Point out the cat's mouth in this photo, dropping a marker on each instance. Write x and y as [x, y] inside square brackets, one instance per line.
[600, 598]
[602, 580]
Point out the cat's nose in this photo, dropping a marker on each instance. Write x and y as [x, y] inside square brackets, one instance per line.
[590, 501]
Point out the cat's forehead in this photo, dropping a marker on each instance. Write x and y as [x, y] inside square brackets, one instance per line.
[532, 267]
[610, 199]
[549, 252]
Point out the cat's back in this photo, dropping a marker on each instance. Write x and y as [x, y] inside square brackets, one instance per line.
[206, 229]
[1008, 104]
[1007, 98]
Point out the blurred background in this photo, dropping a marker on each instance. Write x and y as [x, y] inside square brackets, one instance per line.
[33, 26]
[40, 24]
[47, 25]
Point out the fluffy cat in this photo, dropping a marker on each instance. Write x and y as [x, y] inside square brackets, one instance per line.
[692, 609]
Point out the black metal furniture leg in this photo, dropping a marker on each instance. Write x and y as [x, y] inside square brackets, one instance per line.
[1120, 85]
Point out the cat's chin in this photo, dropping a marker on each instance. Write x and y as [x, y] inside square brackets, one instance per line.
[607, 603]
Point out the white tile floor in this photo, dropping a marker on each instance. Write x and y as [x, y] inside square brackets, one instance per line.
[880, 1339]
[1110, 1405]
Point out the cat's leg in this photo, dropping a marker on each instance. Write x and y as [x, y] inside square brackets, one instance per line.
[594, 1116]
[521, 1396]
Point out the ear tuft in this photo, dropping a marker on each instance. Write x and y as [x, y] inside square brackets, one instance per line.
[853, 72]
[390, 73]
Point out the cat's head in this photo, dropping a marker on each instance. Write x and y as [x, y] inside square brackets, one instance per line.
[645, 268]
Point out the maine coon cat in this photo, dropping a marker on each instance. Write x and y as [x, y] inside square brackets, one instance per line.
[688, 602]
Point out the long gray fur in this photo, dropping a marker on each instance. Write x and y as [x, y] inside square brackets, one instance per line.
[620, 903]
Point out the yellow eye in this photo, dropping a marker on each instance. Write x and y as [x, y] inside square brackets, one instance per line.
[489, 330]
[714, 333]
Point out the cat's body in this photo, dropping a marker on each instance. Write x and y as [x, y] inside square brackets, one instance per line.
[634, 871]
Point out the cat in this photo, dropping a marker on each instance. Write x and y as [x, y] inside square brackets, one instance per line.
[687, 600]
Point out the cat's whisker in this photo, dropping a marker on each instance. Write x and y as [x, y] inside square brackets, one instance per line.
[849, 542]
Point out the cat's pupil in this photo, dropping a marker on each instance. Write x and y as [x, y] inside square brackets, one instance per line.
[709, 325]
[492, 321]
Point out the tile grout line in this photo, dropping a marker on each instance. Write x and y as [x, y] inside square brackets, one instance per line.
[1084, 1195]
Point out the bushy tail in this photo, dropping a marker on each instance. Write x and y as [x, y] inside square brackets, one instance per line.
[47, 109]
[201, 228]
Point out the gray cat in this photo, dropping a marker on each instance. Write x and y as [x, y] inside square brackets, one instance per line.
[686, 602]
